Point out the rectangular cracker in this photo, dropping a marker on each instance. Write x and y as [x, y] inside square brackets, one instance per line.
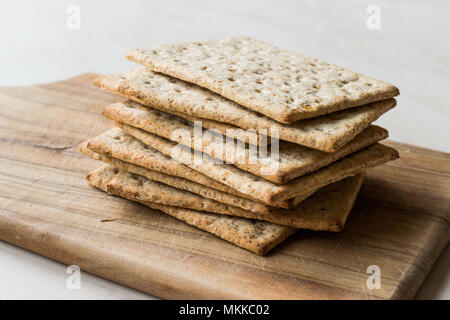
[293, 160]
[184, 184]
[256, 236]
[127, 184]
[258, 188]
[326, 210]
[327, 133]
[280, 84]
[119, 145]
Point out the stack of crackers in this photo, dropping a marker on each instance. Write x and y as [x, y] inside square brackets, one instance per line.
[241, 139]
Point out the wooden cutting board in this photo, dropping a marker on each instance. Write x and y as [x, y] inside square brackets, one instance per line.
[400, 222]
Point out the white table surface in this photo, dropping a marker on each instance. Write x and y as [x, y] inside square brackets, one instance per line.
[411, 50]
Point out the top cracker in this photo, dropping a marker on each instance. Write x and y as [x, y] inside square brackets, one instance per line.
[280, 84]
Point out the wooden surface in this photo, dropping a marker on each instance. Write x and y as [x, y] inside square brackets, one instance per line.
[400, 222]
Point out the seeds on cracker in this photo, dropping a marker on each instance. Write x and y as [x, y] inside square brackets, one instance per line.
[286, 163]
[327, 133]
[280, 84]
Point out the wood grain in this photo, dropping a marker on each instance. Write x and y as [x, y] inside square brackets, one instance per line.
[400, 222]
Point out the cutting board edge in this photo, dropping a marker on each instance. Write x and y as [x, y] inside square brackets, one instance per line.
[409, 287]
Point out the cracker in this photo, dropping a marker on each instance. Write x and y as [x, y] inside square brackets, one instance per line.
[127, 184]
[327, 133]
[280, 84]
[258, 188]
[125, 148]
[293, 160]
[191, 186]
[184, 184]
[114, 144]
[326, 210]
[256, 236]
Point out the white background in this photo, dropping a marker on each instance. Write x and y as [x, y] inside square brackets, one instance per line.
[411, 51]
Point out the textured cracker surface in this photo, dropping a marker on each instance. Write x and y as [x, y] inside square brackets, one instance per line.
[259, 188]
[280, 84]
[327, 133]
[293, 160]
[325, 210]
[143, 189]
[131, 150]
[115, 144]
[256, 236]
[184, 184]
[178, 182]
